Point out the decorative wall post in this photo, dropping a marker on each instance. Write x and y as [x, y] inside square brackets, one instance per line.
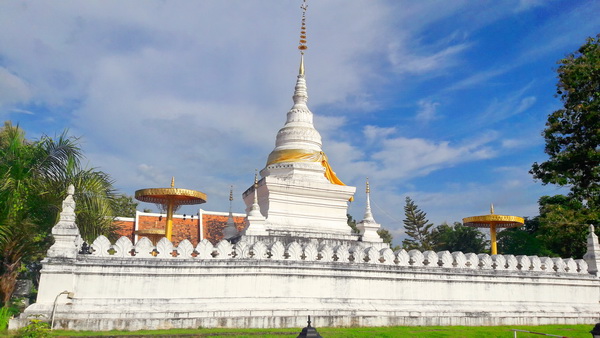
[65, 232]
[592, 256]
[368, 227]
[256, 220]
[230, 229]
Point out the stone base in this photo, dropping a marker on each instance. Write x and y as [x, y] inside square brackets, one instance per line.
[251, 312]
[295, 205]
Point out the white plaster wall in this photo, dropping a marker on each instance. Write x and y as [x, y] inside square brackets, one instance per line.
[149, 293]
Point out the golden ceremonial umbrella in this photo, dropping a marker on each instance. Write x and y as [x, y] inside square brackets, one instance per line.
[493, 221]
[171, 198]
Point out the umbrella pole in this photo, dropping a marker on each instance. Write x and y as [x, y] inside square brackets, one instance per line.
[493, 238]
[169, 231]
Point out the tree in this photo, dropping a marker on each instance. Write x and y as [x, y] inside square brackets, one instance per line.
[523, 240]
[352, 224]
[386, 236]
[124, 206]
[418, 228]
[572, 134]
[34, 176]
[458, 238]
[563, 225]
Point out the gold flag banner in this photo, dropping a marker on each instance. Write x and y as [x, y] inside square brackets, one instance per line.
[296, 155]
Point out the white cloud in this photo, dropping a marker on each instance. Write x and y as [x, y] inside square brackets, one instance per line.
[525, 5]
[405, 63]
[513, 103]
[374, 133]
[404, 157]
[22, 111]
[478, 78]
[427, 110]
[13, 89]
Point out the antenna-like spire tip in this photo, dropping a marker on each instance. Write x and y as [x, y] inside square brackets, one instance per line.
[302, 46]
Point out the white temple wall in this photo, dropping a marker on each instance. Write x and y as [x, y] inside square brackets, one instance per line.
[242, 287]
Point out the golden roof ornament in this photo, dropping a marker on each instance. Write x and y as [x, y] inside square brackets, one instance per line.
[493, 221]
[171, 198]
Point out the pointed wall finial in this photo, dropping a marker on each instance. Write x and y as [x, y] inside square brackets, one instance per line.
[592, 255]
[368, 227]
[173, 182]
[256, 221]
[230, 199]
[230, 229]
[491, 208]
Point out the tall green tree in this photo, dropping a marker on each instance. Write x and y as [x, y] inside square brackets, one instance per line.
[572, 133]
[34, 176]
[417, 227]
[563, 225]
[523, 240]
[458, 238]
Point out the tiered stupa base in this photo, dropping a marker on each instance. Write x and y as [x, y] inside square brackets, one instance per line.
[303, 211]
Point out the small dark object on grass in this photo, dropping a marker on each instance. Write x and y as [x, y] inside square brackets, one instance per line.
[309, 331]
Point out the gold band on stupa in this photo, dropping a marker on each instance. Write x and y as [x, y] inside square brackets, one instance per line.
[301, 155]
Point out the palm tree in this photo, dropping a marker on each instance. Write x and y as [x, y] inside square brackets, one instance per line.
[34, 176]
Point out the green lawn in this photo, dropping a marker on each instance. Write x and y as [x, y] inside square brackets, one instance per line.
[403, 331]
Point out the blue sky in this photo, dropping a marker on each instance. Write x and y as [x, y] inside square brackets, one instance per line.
[442, 101]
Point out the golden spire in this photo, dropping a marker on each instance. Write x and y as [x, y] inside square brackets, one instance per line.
[173, 182]
[491, 208]
[302, 46]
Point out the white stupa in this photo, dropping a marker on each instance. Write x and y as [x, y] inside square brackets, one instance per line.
[298, 194]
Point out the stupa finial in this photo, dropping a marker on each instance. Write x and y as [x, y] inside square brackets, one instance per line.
[172, 181]
[302, 45]
[491, 208]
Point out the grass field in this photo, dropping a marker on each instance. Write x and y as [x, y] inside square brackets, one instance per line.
[404, 331]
